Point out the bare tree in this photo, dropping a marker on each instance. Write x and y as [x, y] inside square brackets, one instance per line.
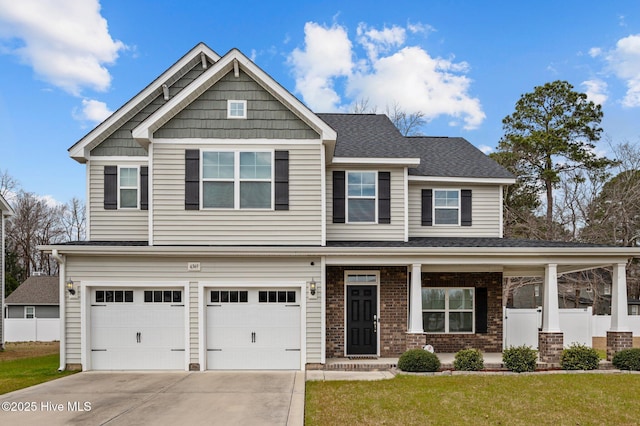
[73, 220]
[8, 184]
[408, 123]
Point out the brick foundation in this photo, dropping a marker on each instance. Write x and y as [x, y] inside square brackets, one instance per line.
[617, 341]
[393, 311]
[550, 347]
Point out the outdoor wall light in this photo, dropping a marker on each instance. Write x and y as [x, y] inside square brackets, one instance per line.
[312, 287]
[72, 291]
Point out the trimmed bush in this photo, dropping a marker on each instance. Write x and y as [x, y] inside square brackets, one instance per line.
[520, 358]
[579, 357]
[418, 360]
[468, 360]
[627, 359]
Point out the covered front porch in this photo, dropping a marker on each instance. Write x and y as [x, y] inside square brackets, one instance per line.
[450, 296]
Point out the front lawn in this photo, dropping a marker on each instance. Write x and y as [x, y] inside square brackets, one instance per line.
[476, 399]
[27, 364]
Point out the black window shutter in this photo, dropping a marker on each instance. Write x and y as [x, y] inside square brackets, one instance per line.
[384, 197]
[192, 179]
[338, 197]
[110, 187]
[481, 310]
[282, 180]
[144, 188]
[427, 207]
[466, 207]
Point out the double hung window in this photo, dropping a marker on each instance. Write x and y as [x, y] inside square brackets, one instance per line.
[448, 310]
[446, 207]
[237, 180]
[361, 197]
[128, 187]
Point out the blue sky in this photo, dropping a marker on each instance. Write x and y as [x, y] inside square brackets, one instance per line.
[65, 64]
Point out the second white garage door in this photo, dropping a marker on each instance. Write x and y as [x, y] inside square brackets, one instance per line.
[253, 329]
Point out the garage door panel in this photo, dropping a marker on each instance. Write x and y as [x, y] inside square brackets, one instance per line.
[241, 359]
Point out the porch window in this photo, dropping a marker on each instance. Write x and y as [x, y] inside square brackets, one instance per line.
[448, 310]
[361, 195]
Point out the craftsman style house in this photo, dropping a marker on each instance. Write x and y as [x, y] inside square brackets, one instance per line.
[230, 227]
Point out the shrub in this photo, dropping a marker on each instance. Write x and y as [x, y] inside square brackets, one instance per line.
[627, 359]
[579, 357]
[468, 360]
[520, 358]
[418, 360]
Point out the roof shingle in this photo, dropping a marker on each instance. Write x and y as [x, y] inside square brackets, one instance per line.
[36, 290]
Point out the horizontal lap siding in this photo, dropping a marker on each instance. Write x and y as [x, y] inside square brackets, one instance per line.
[234, 271]
[369, 232]
[301, 224]
[485, 212]
[112, 225]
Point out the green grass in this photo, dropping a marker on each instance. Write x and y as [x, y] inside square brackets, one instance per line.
[561, 399]
[21, 373]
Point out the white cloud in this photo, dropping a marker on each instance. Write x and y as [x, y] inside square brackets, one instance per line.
[388, 73]
[596, 91]
[327, 55]
[624, 61]
[93, 111]
[66, 42]
[486, 149]
[594, 52]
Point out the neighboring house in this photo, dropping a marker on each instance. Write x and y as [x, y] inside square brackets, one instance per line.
[32, 310]
[230, 227]
[37, 297]
[6, 211]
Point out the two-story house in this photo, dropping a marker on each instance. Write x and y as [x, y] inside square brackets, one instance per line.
[230, 227]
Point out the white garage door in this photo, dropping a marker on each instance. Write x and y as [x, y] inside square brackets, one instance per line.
[253, 329]
[141, 329]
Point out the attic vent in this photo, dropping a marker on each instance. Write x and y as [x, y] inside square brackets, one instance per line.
[236, 68]
[165, 92]
[203, 58]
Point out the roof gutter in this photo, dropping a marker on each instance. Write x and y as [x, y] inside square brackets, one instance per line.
[61, 276]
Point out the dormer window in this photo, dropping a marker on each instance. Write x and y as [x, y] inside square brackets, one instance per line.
[236, 109]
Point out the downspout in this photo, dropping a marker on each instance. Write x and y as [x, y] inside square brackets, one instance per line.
[63, 314]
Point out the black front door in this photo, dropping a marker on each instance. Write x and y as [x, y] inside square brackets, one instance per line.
[362, 317]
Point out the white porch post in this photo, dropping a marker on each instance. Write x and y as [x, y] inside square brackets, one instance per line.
[550, 310]
[619, 313]
[415, 310]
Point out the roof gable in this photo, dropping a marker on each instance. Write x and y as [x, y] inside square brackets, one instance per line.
[234, 61]
[36, 290]
[80, 151]
[5, 207]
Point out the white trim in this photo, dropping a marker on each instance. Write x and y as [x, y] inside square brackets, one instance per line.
[62, 313]
[234, 143]
[347, 198]
[81, 149]
[85, 303]
[376, 161]
[137, 187]
[140, 160]
[150, 197]
[323, 310]
[344, 302]
[144, 131]
[231, 102]
[323, 196]
[451, 179]
[87, 206]
[202, 313]
[406, 204]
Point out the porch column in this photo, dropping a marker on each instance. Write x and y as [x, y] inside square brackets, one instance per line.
[618, 336]
[550, 339]
[415, 310]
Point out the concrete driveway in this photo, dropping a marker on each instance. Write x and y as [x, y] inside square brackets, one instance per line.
[177, 398]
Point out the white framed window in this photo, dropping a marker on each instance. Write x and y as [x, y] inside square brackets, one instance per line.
[114, 296]
[237, 179]
[446, 207]
[448, 310]
[128, 193]
[29, 312]
[362, 197]
[236, 109]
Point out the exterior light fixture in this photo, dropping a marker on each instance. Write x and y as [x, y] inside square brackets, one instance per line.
[312, 287]
[72, 291]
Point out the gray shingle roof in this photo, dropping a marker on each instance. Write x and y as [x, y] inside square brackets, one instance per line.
[453, 157]
[375, 136]
[367, 136]
[41, 290]
[462, 242]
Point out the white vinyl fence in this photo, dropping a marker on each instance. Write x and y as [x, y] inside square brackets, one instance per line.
[521, 326]
[31, 329]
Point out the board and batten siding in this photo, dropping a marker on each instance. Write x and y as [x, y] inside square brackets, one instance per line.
[232, 271]
[485, 219]
[366, 231]
[300, 225]
[206, 116]
[113, 225]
